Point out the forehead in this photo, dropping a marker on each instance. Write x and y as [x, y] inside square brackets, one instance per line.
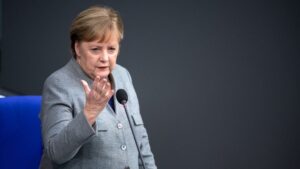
[109, 36]
[107, 39]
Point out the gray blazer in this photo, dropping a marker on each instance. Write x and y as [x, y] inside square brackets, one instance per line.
[71, 143]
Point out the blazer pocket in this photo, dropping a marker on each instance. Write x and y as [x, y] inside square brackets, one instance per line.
[101, 126]
[102, 130]
[138, 128]
[137, 119]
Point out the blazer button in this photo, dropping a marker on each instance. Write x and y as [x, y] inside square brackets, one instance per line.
[120, 125]
[123, 147]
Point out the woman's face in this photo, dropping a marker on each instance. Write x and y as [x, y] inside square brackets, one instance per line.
[98, 58]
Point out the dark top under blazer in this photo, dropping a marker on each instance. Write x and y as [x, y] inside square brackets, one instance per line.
[71, 143]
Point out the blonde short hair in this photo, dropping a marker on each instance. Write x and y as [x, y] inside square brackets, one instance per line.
[96, 22]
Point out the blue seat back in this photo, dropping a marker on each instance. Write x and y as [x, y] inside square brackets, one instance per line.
[20, 132]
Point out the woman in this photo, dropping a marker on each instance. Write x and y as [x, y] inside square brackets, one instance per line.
[83, 125]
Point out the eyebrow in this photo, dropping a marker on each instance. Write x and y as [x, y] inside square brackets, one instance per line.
[99, 45]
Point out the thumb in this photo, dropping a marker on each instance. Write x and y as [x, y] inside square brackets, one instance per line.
[85, 87]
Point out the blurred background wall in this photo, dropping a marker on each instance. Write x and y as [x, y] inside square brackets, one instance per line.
[218, 81]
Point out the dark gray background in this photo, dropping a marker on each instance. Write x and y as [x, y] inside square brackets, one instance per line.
[218, 81]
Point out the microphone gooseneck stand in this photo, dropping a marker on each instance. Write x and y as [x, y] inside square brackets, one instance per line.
[122, 99]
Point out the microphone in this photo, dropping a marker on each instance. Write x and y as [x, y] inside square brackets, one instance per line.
[122, 98]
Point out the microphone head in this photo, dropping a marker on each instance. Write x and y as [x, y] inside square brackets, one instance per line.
[122, 96]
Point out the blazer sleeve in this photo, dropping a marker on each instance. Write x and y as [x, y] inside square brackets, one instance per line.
[63, 134]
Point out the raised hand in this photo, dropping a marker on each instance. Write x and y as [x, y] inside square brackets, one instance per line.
[96, 98]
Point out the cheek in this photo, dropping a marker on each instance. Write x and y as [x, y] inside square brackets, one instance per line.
[90, 63]
[113, 61]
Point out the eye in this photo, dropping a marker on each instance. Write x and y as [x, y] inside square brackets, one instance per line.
[111, 49]
[95, 49]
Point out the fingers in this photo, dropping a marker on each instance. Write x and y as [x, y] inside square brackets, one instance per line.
[97, 97]
[108, 92]
[86, 87]
[102, 88]
[99, 84]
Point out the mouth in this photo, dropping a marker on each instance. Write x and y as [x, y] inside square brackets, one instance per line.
[103, 68]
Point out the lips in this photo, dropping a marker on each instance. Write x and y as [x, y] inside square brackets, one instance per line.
[103, 68]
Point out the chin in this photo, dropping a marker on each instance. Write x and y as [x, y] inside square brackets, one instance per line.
[103, 74]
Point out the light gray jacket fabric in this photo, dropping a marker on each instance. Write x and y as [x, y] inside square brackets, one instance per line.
[71, 143]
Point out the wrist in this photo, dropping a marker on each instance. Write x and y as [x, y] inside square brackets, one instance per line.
[90, 116]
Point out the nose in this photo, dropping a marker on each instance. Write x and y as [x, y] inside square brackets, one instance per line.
[104, 57]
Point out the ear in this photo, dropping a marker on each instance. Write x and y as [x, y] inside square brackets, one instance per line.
[77, 50]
